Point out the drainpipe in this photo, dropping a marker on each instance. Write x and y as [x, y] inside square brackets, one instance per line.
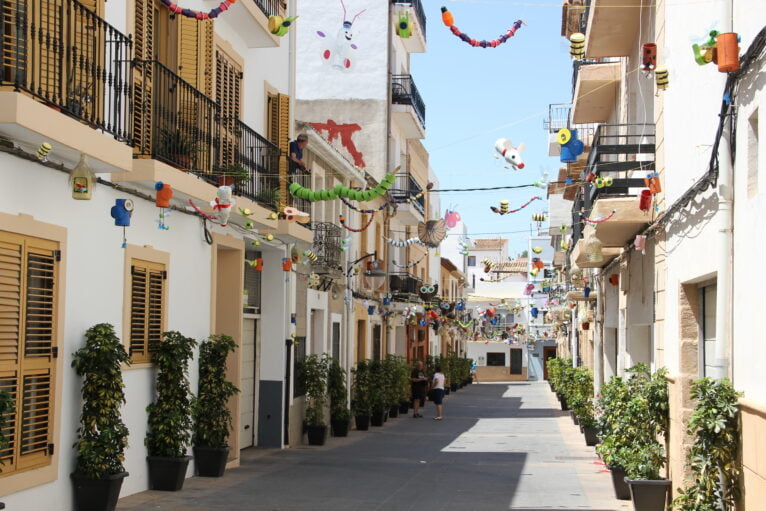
[573, 335]
[598, 338]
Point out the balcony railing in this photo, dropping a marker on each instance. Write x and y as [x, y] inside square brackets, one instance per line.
[61, 53]
[271, 7]
[404, 284]
[404, 92]
[558, 117]
[420, 13]
[406, 187]
[303, 178]
[327, 240]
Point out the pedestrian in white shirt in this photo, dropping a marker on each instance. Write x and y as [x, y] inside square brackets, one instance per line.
[437, 386]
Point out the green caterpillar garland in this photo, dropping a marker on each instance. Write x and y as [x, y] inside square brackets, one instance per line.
[345, 192]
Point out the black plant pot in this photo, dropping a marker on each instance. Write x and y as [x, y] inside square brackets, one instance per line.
[574, 418]
[211, 461]
[446, 391]
[167, 474]
[621, 488]
[95, 494]
[339, 427]
[591, 435]
[404, 407]
[378, 418]
[470, 380]
[362, 422]
[393, 412]
[563, 403]
[648, 495]
[453, 387]
[317, 434]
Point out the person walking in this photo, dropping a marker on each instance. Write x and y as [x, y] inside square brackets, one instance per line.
[437, 387]
[419, 383]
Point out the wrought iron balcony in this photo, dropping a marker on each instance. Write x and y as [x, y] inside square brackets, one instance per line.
[271, 7]
[64, 55]
[404, 92]
[327, 240]
[420, 13]
[404, 284]
[558, 117]
[406, 187]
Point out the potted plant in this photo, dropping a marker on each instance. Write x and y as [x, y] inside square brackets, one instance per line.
[611, 406]
[360, 395]
[714, 453]
[235, 175]
[176, 146]
[377, 393]
[212, 417]
[102, 436]
[314, 380]
[391, 374]
[170, 416]
[582, 404]
[6, 405]
[339, 412]
[404, 384]
[268, 197]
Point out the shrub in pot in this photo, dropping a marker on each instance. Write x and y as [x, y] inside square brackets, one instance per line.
[377, 393]
[212, 417]
[313, 378]
[102, 436]
[170, 416]
[713, 456]
[581, 401]
[336, 386]
[404, 385]
[391, 383]
[612, 431]
[360, 395]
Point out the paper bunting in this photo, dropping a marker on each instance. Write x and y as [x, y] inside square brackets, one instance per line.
[296, 190]
[449, 21]
[503, 209]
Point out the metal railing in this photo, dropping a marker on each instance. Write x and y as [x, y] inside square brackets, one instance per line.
[406, 187]
[259, 159]
[558, 117]
[63, 54]
[271, 7]
[303, 178]
[420, 13]
[403, 284]
[327, 239]
[404, 92]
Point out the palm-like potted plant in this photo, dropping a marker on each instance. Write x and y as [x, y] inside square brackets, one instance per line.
[170, 416]
[314, 380]
[360, 395]
[336, 385]
[102, 436]
[6, 406]
[377, 393]
[212, 417]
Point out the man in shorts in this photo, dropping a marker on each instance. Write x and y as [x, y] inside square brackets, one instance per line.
[419, 383]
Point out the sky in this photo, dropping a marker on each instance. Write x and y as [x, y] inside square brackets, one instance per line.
[474, 96]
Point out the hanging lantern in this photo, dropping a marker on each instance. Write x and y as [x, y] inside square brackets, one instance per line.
[727, 46]
[577, 46]
[82, 180]
[649, 57]
[661, 75]
[593, 249]
[645, 200]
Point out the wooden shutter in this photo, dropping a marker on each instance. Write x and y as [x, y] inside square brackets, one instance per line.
[28, 331]
[228, 93]
[143, 50]
[195, 53]
[147, 308]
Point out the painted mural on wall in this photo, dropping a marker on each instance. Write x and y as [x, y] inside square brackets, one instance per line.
[342, 86]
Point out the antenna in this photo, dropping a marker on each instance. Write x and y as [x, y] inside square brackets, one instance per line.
[359, 14]
[344, 10]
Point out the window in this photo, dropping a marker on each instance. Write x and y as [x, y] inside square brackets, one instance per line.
[228, 93]
[336, 341]
[279, 128]
[708, 365]
[495, 359]
[376, 344]
[147, 308]
[471, 260]
[28, 332]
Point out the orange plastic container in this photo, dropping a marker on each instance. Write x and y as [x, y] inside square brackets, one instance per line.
[649, 57]
[728, 52]
[447, 17]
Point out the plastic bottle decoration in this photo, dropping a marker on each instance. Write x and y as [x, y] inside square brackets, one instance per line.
[537, 250]
[661, 75]
[534, 312]
[537, 263]
[652, 181]
[503, 206]
[294, 215]
[585, 325]
[404, 25]
[488, 264]
[370, 310]
[603, 182]
[345, 243]
[727, 46]
[594, 249]
[586, 292]
[223, 204]
[590, 177]
[279, 26]
[315, 281]
[82, 180]
[256, 264]
[538, 217]
[310, 256]
[447, 18]
[451, 219]
[287, 264]
[614, 279]
[191, 13]
[43, 150]
[640, 243]
[528, 290]
[649, 57]
[121, 212]
[162, 201]
[705, 53]
[571, 146]
[295, 256]
[577, 46]
[645, 201]
[296, 190]
[511, 154]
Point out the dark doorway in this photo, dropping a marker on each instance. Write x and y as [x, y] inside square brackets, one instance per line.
[287, 393]
[515, 361]
[549, 352]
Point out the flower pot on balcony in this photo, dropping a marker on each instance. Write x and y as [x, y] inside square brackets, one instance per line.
[648, 495]
[621, 488]
[96, 494]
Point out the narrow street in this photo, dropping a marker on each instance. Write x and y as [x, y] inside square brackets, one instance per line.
[500, 446]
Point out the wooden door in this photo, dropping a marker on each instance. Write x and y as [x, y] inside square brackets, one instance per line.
[248, 361]
[548, 353]
[516, 361]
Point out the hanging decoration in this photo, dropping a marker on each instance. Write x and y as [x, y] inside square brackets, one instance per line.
[603, 182]
[404, 25]
[287, 264]
[43, 150]
[539, 217]
[705, 53]
[315, 281]
[649, 57]
[528, 290]
[488, 264]
[405, 243]
[503, 209]
[339, 56]
[82, 180]
[295, 256]
[652, 182]
[577, 46]
[191, 13]
[296, 190]
[537, 250]
[571, 145]
[587, 220]
[511, 154]
[162, 201]
[465, 326]
[727, 45]
[345, 244]
[645, 201]
[640, 243]
[279, 26]
[310, 256]
[614, 279]
[411, 265]
[537, 263]
[295, 215]
[662, 77]
[342, 221]
[427, 292]
[432, 232]
[451, 218]
[256, 264]
[594, 252]
[121, 212]
[464, 248]
[449, 21]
